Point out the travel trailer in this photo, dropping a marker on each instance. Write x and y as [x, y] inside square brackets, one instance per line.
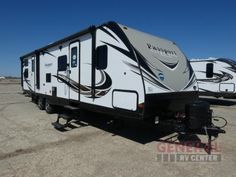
[115, 70]
[216, 77]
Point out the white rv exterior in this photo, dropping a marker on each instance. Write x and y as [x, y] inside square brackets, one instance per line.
[216, 77]
[112, 69]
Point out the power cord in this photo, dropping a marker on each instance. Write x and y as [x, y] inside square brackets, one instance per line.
[218, 118]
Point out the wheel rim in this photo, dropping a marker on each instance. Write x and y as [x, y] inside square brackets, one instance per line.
[47, 107]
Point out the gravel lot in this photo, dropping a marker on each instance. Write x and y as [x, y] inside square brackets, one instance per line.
[30, 146]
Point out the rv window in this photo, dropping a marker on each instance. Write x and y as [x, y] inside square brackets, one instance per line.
[209, 70]
[62, 63]
[101, 54]
[33, 65]
[26, 74]
[26, 62]
[48, 77]
[74, 57]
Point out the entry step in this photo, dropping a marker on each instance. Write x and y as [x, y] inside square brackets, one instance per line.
[59, 126]
[73, 108]
[65, 116]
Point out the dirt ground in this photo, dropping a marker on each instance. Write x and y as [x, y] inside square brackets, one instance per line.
[31, 147]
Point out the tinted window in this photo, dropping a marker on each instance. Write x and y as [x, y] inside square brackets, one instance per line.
[26, 73]
[101, 55]
[62, 63]
[26, 62]
[74, 57]
[209, 70]
[33, 65]
[48, 77]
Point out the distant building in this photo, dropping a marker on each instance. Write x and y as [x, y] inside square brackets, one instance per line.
[2, 77]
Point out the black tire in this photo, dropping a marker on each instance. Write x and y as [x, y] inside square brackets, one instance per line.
[49, 108]
[118, 123]
[41, 104]
[33, 99]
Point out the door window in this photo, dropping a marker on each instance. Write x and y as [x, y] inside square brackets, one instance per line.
[26, 74]
[74, 57]
[33, 66]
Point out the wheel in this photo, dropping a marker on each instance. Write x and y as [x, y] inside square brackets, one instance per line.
[49, 108]
[34, 99]
[118, 123]
[41, 104]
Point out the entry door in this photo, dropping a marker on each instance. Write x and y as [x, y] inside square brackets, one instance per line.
[32, 73]
[74, 70]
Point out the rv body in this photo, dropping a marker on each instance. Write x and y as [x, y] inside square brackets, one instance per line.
[111, 69]
[216, 77]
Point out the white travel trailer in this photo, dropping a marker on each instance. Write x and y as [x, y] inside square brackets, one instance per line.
[216, 77]
[115, 70]
[112, 68]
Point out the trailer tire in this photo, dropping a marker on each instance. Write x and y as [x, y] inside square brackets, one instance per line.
[118, 124]
[49, 108]
[41, 104]
[34, 99]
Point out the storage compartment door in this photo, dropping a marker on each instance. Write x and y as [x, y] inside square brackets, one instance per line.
[230, 87]
[124, 99]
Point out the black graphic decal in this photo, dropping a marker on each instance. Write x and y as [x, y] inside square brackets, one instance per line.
[191, 82]
[125, 52]
[28, 85]
[188, 69]
[217, 77]
[170, 65]
[229, 62]
[149, 78]
[101, 88]
[107, 32]
[144, 65]
[143, 62]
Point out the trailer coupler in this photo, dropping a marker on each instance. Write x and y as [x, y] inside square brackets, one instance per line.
[212, 131]
[197, 119]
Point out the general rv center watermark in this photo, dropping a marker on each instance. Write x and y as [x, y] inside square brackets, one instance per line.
[187, 152]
